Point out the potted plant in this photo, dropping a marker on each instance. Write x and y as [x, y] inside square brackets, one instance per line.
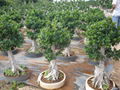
[102, 36]
[34, 23]
[10, 38]
[49, 39]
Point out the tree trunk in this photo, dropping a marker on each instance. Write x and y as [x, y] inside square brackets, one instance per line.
[34, 46]
[66, 52]
[53, 72]
[98, 75]
[101, 77]
[86, 41]
[11, 57]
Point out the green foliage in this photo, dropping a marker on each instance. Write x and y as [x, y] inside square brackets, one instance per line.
[23, 66]
[68, 18]
[105, 3]
[8, 72]
[53, 35]
[34, 22]
[15, 85]
[27, 1]
[103, 34]
[46, 73]
[10, 37]
[3, 2]
[6, 2]
[105, 87]
[89, 17]
[93, 3]
[15, 16]
[77, 5]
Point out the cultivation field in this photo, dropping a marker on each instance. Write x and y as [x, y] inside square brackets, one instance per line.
[58, 45]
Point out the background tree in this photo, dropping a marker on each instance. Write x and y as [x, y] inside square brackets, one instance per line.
[34, 22]
[3, 2]
[105, 3]
[89, 17]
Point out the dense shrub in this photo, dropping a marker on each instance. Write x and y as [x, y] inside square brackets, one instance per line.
[105, 3]
[34, 21]
[102, 34]
[68, 19]
[89, 17]
[10, 37]
[51, 37]
[3, 2]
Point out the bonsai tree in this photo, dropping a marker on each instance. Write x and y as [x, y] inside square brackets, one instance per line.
[10, 38]
[53, 39]
[102, 36]
[34, 22]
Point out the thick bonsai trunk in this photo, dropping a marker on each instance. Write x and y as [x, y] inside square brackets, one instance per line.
[66, 52]
[86, 41]
[101, 77]
[11, 57]
[34, 46]
[53, 72]
[98, 75]
[14, 67]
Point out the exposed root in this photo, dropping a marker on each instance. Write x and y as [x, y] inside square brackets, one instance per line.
[98, 75]
[101, 77]
[53, 73]
[14, 66]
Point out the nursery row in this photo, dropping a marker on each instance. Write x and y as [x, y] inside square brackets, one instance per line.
[51, 28]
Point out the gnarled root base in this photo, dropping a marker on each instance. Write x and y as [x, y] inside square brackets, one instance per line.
[14, 66]
[66, 52]
[53, 73]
